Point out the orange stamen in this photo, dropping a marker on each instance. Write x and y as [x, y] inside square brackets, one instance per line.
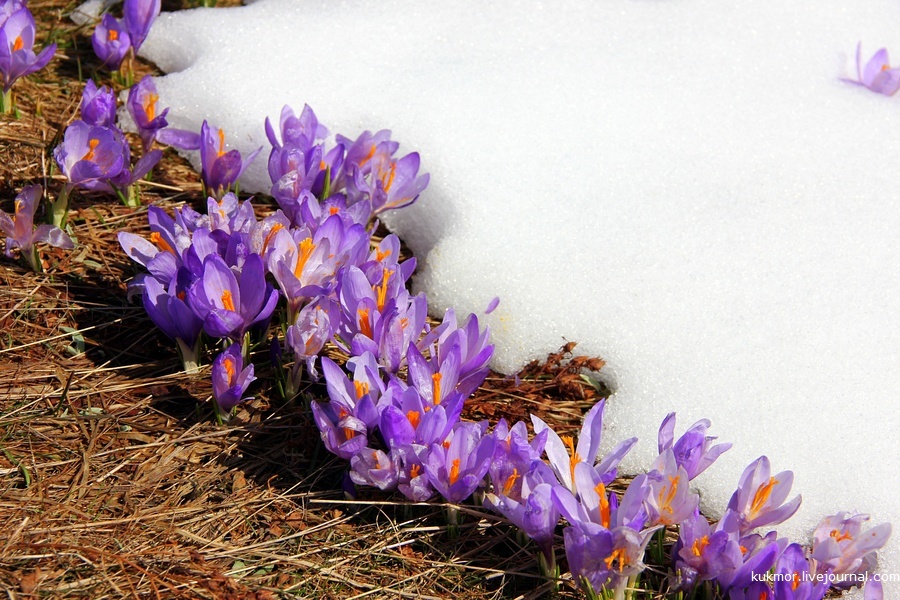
[227, 301]
[762, 496]
[112, 35]
[18, 44]
[92, 145]
[180, 295]
[381, 290]
[795, 582]
[149, 105]
[368, 156]
[840, 537]
[306, 248]
[617, 555]
[375, 458]
[270, 235]
[387, 180]
[454, 471]
[348, 433]
[699, 545]
[20, 204]
[361, 387]
[404, 322]
[221, 143]
[604, 504]
[665, 503]
[574, 457]
[413, 416]
[510, 482]
[415, 471]
[162, 244]
[380, 256]
[365, 327]
[446, 444]
[229, 367]
[334, 210]
[436, 387]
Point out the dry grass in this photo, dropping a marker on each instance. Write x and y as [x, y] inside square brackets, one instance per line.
[115, 480]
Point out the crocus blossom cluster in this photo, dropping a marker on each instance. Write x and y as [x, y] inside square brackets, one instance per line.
[114, 39]
[17, 55]
[94, 154]
[223, 272]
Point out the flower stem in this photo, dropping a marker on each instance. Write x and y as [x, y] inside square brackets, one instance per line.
[190, 357]
[59, 210]
[33, 259]
[6, 102]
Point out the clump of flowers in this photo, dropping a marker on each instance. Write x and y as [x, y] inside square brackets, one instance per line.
[17, 55]
[94, 154]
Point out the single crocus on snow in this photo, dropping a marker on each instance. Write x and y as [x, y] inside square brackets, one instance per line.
[21, 233]
[17, 57]
[230, 379]
[877, 75]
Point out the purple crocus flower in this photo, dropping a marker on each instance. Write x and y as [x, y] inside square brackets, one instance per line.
[457, 470]
[414, 482]
[230, 379]
[20, 231]
[230, 304]
[840, 546]
[220, 168]
[760, 498]
[90, 156]
[17, 57]
[139, 16]
[111, 41]
[375, 468]
[693, 449]
[142, 105]
[603, 558]
[754, 557]
[98, 105]
[877, 75]
[564, 454]
[669, 499]
[473, 345]
[408, 418]
[794, 577]
[701, 553]
[169, 311]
